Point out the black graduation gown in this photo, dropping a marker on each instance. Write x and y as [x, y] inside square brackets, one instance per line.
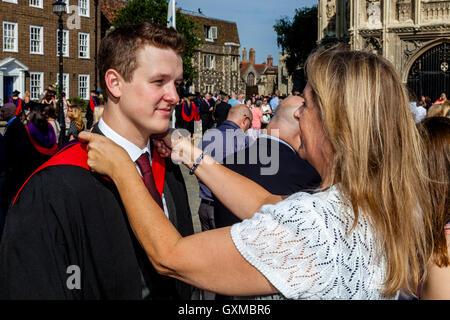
[66, 216]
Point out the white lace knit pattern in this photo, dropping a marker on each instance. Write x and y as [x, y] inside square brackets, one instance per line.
[301, 246]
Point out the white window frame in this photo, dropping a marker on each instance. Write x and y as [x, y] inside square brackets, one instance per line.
[41, 40]
[209, 62]
[84, 11]
[209, 88]
[65, 48]
[234, 63]
[40, 4]
[210, 33]
[87, 45]
[33, 95]
[10, 1]
[16, 36]
[65, 87]
[85, 97]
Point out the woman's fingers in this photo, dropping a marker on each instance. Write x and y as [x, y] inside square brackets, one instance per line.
[103, 154]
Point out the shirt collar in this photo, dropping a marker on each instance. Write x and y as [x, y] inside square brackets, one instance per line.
[277, 139]
[133, 151]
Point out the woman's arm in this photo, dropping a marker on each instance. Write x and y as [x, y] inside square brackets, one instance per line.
[208, 260]
[240, 195]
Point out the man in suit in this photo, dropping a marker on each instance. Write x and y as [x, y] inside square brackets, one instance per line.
[222, 109]
[219, 142]
[272, 160]
[68, 236]
[206, 109]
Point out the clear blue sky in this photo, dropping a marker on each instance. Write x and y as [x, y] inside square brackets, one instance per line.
[254, 18]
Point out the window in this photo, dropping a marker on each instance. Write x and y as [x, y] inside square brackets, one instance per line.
[10, 36]
[65, 86]
[251, 79]
[209, 88]
[65, 43]
[208, 61]
[210, 33]
[83, 45]
[10, 1]
[36, 85]
[83, 86]
[36, 3]
[83, 8]
[36, 40]
[233, 63]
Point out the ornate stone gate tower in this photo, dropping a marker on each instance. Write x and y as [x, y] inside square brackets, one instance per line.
[413, 34]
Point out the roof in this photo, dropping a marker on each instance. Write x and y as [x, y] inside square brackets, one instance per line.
[226, 30]
[244, 66]
[108, 8]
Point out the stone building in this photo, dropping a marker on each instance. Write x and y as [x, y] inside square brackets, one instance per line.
[413, 34]
[258, 78]
[29, 58]
[217, 60]
[284, 80]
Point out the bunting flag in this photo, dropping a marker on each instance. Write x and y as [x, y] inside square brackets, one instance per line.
[171, 20]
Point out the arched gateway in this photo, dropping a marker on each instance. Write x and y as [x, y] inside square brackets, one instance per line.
[429, 74]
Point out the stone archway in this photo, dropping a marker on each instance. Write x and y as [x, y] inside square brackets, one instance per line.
[429, 70]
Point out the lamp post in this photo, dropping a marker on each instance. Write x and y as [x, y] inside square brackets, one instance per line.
[59, 8]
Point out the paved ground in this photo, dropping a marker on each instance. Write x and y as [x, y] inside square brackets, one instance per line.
[192, 185]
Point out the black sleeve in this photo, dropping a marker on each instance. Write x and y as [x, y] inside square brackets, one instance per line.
[33, 252]
[63, 220]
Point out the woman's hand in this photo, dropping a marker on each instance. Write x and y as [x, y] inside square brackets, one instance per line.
[173, 144]
[105, 156]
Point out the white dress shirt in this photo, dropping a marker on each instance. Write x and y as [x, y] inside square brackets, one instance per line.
[133, 150]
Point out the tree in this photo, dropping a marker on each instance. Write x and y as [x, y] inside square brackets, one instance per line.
[297, 37]
[137, 11]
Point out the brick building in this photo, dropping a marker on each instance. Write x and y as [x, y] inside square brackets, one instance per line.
[259, 78]
[29, 54]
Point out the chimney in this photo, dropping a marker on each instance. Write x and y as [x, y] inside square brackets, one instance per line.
[244, 54]
[251, 56]
[270, 61]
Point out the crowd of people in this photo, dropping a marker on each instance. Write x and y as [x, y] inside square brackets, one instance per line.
[319, 195]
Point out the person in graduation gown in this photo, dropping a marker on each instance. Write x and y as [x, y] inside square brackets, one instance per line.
[16, 164]
[94, 101]
[67, 236]
[18, 102]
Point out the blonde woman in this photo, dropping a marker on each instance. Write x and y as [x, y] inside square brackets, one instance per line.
[439, 110]
[362, 235]
[98, 111]
[76, 123]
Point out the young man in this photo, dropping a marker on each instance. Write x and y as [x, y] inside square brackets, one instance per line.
[67, 235]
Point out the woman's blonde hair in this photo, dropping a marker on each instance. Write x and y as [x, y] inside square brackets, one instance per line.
[439, 110]
[98, 112]
[378, 158]
[75, 115]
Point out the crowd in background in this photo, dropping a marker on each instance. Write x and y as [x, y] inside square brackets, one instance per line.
[32, 135]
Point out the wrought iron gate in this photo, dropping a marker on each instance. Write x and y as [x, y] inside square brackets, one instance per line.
[430, 73]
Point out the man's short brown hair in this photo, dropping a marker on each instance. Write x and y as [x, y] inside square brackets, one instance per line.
[119, 47]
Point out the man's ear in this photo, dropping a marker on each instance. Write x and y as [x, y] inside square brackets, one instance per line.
[113, 81]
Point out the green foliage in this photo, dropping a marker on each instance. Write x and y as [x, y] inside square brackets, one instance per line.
[137, 11]
[297, 37]
[79, 102]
